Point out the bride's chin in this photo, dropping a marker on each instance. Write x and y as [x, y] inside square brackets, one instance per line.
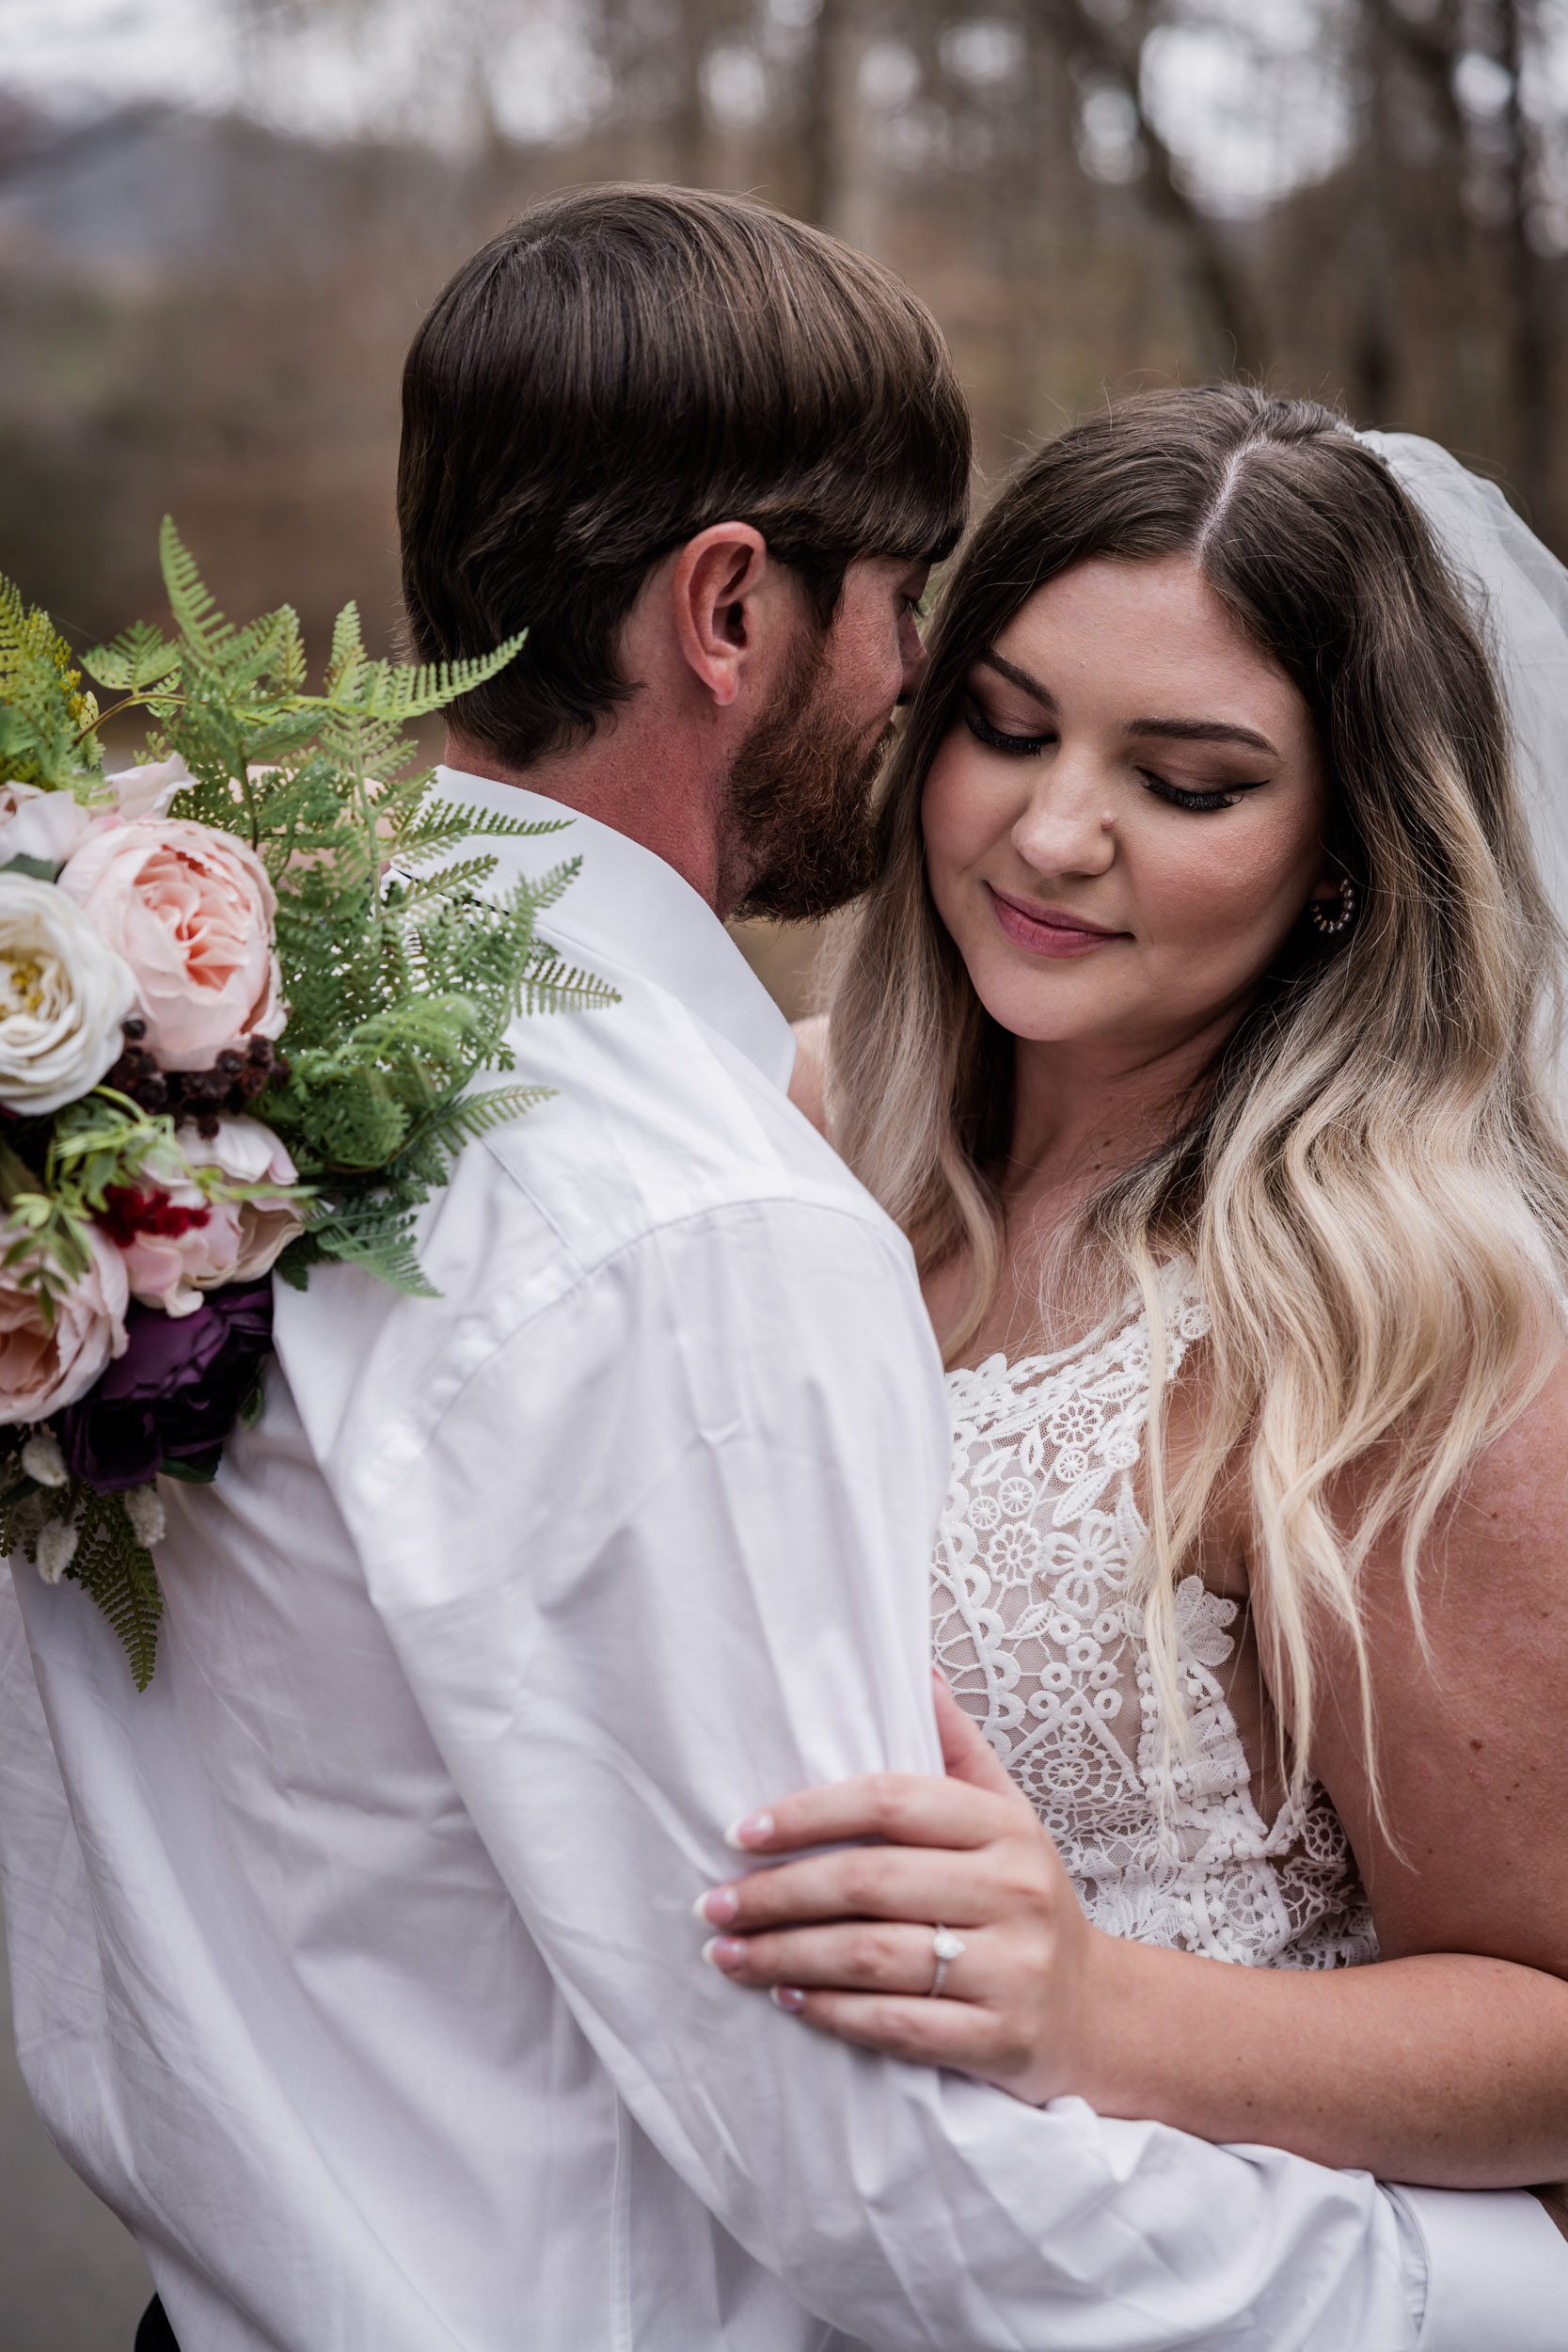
[1040, 1012]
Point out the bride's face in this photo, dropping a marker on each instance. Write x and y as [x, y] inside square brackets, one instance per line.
[1125, 822]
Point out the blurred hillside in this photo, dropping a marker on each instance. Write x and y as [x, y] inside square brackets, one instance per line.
[206, 290]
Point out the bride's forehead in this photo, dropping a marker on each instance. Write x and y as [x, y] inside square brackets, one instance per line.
[1108, 622]
[1127, 592]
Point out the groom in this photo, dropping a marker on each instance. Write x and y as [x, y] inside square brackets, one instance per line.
[354, 1964]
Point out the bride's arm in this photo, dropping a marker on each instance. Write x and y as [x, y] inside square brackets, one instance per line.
[1446, 2062]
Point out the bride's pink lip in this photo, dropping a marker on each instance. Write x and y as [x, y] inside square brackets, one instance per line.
[1048, 930]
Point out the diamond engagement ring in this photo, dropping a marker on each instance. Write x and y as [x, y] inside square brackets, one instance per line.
[948, 1947]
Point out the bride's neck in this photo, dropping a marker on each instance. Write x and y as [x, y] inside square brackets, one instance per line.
[1080, 1117]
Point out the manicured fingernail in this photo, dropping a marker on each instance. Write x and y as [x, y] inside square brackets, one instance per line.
[724, 1951]
[786, 1996]
[718, 1907]
[756, 1830]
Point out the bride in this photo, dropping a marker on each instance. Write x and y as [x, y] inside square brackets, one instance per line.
[1194, 1034]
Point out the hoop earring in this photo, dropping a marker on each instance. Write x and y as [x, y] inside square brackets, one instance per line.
[1330, 924]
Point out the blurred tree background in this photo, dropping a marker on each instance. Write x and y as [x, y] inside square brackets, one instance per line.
[221, 219]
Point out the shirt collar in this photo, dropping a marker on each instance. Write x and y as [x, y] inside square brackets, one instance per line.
[629, 907]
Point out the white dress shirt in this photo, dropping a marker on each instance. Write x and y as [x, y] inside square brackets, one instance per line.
[354, 1963]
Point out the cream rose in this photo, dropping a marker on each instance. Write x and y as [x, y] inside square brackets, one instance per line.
[191, 912]
[44, 826]
[64, 992]
[249, 1153]
[44, 1365]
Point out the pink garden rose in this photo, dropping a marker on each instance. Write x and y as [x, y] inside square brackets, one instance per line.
[44, 1366]
[191, 912]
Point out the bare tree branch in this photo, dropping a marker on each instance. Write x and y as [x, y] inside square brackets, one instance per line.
[1432, 46]
[1531, 352]
[1232, 326]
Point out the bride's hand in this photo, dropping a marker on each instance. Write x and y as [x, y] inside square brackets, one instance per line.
[846, 1940]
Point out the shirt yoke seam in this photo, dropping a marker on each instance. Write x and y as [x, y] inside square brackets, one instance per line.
[846, 1212]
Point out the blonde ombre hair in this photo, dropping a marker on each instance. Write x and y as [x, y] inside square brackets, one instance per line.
[1370, 1181]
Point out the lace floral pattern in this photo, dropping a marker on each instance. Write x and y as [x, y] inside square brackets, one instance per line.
[1037, 1631]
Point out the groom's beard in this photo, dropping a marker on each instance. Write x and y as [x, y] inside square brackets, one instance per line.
[802, 801]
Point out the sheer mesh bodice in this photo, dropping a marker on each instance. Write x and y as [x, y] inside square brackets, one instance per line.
[1037, 1631]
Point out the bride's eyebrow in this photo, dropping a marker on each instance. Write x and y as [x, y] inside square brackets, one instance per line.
[1170, 730]
[991, 660]
[1202, 731]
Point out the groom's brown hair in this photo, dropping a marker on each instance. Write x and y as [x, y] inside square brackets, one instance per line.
[618, 370]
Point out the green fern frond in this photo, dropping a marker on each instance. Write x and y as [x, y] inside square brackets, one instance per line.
[447, 881]
[194, 607]
[346, 660]
[118, 1572]
[392, 689]
[475, 1115]
[140, 657]
[551, 986]
[387, 1252]
[440, 821]
[531, 897]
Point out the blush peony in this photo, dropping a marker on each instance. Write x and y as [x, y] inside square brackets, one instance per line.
[191, 912]
[64, 993]
[42, 827]
[175, 1243]
[249, 1153]
[141, 794]
[44, 1364]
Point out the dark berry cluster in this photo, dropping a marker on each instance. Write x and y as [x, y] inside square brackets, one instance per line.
[232, 1084]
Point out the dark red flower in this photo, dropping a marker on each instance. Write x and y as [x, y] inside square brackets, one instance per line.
[170, 1401]
[128, 1213]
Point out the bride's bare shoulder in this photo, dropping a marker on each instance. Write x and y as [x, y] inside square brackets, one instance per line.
[808, 1085]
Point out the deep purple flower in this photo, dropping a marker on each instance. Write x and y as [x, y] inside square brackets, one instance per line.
[169, 1402]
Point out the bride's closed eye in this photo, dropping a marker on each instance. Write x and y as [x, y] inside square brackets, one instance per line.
[1030, 746]
[1221, 796]
[999, 740]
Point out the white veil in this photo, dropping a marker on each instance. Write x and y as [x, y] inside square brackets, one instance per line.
[1518, 591]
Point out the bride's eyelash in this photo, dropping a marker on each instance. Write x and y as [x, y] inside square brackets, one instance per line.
[1183, 799]
[1202, 802]
[1020, 746]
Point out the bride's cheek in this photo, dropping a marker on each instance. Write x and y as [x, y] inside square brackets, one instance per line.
[959, 814]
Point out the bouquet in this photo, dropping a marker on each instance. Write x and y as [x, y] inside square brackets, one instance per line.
[245, 987]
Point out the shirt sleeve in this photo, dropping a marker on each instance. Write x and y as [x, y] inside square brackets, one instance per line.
[664, 1556]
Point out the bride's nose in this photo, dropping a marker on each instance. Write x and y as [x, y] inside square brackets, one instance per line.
[1068, 827]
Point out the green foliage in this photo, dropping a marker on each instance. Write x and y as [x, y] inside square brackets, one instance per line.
[45, 724]
[110, 1561]
[117, 1571]
[402, 968]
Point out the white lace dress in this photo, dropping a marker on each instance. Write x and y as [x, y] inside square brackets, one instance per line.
[1036, 1630]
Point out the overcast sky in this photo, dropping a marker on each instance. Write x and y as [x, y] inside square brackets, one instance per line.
[1249, 99]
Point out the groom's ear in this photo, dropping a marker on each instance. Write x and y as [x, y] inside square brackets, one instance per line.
[726, 591]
